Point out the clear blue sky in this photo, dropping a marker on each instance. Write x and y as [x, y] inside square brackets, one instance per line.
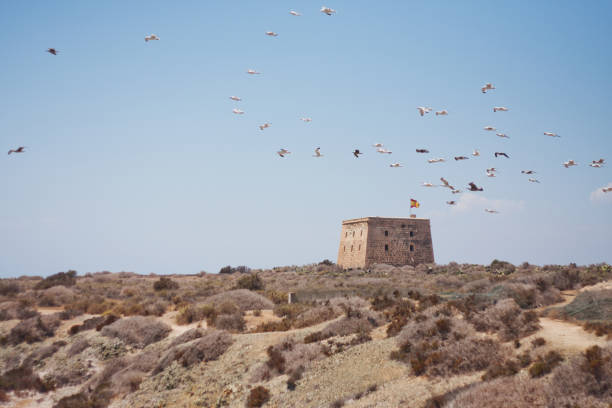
[135, 161]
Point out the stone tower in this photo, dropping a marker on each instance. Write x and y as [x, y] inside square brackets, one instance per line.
[392, 241]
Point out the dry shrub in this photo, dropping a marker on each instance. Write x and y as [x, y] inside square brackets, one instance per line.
[504, 369]
[538, 342]
[78, 346]
[243, 298]
[97, 323]
[9, 288]
[137, 331]
[15, 310]
[189, 335]
[545, 364]
[234, 323]
[507, 319]
[356, 321]
[4, 397]
[599, 328]
[23, 378]
[398, 316]
[294, 377]
[591, 305]
[316, 315]
[566, 279]
[56, 296]
[43, 352]
[273, 326]
[58, 279]
[251, 281]
[209, 346]
[165, 284]
[276, 296]
[441, 346]
[258, 396]
[289, 310]
[34, 329]
[196, 313]
[287, 357]
[516, 391]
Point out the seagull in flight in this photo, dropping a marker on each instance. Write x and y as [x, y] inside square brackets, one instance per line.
[600, 161]
[438, 160]
[451, 202]
[487, 87]
[328, 11]
[455, 191]
[500, 109]
[252, 72]
[283, 152]
[381, 150]
[265, 126]
[491, 170]
[461, 158]
[235, 98]
[551, 134]
[423, 110]
[356, 153]
[475, 153]
[427, 185]
[491, 211]
[502, 135]
[569, 164]
[474, 187]
[20, 149]
[52, 51]
[377, 145]
[489, 128]
[445, 183]
[294, 13]
[422, 151]
[533, 180]
[527, 172]
[443, 112]
[151, 37]
[606, 189]
[317, 152]
[238, 111]
[306, 120]
[491, 174]
[501, 154]
[271, 34]
[596, 165]
[395, 165]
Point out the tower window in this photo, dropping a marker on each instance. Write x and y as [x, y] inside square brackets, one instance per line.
[403, 225]
[411, 248]
[344, 248]
[386, 233]
[386, 248]
[346, 234]
[361, 233]
[359, 247]
[412, 233]
[353, 233]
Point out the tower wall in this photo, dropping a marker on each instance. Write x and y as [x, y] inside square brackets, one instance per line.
[393, 241]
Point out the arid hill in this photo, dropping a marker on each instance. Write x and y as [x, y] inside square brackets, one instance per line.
[431, 336]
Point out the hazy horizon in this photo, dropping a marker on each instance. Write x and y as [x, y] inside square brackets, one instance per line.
[135, 161]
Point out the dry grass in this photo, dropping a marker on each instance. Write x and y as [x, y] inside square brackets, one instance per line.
[507, 319]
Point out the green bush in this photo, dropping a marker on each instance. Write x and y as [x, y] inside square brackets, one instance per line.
[59, 279]
[165, 284]
[250, 282]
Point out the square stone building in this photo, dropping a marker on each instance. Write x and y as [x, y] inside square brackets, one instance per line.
[392, 241]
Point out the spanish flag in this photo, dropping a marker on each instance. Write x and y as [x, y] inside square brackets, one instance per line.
[414, 203]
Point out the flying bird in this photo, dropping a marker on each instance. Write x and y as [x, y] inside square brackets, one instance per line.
[252, 72]
[443, 112]
[606, 189]
[377, 145]
[235, 98]
[500, 109]
[294, 13]
[238, 111]
[456, 191]
[569, 163]
[489, 128]
[491, 174]
[356, 153]
[20, 149]
[551, 134]
[474, 187]
[527, 172]
[317, 152]
[533, 180]
[271, 34]
[427, 185]
[502, 135]
[501, 154]
[491, 211]
[475, 153]
[328, 11]
[446, 183]
[596, 165]
[487, 87]
[423, 110]
[491, 170]
[151, 37]
[438, 160]
[265, 126]
[600, 161]
[461, 158]
[283, 152]
[422, 151]
[381, 150]
[307, 120]
[52, 51]
[395, 165]
[451, 202]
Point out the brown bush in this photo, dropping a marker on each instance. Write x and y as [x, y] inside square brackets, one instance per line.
[251, 281]
[289, 310]
[23, 378]
[234, 323]
[189, 335]
[243, 298]
[538, 342]
[504, 369]
[165, 284]
[516, 391]
[258, 396]
[34, 329]
[97, 323]
[599, 328]
[286, 357]
[276, 296]
[4, 397]
[61, 278]
[356, 321]
[77, 347]
[137, 331]
[273, 326]
[15, 310]
[210, 345]
[545, 364]
[315, 316]
[195, 313]
[294, 377]
[9, 288]
[507, 319]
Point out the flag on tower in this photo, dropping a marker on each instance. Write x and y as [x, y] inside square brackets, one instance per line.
[414, 203]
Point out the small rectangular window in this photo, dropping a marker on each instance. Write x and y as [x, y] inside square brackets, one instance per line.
[411, 248]
[412, 233]
[351, 248]
[386, 233]
[386, 248]
[359, 247]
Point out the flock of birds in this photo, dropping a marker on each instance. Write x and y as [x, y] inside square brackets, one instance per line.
[422, 110]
